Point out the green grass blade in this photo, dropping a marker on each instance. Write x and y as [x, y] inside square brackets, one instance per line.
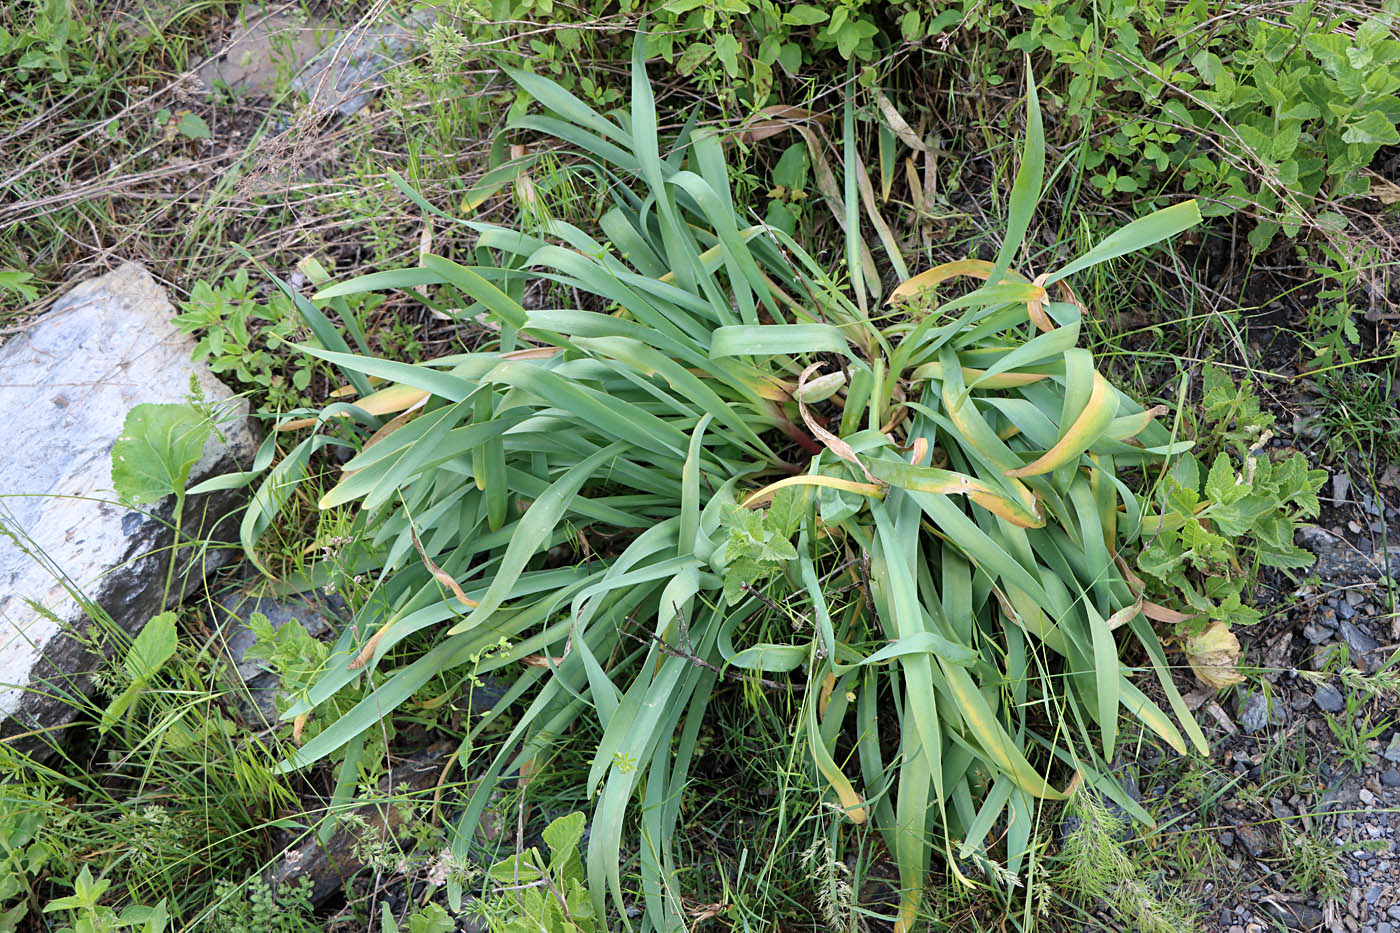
[531, 532]
[1138, 235]
[1025, 191]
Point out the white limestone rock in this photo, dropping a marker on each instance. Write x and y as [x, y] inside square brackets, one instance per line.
[69, 551]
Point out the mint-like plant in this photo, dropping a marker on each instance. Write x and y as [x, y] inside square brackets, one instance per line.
[1218, 527]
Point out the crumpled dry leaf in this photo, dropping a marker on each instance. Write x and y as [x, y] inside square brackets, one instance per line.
[1214, 655]
[1386, 192]
[837, 446]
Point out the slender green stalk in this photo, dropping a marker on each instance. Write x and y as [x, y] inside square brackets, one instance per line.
[174, 547]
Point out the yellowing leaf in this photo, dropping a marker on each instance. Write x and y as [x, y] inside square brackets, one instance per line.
[977, 268]
[1024, 514]
[1387, 192]
[832, 482]
[1097, 415]
[851, 801]
[1131, 425]
[1009, 380]
[395, 398]
[1214, 655]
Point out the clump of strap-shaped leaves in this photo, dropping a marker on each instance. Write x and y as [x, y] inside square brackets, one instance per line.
[938, 491]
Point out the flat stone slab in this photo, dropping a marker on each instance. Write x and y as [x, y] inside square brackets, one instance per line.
[69, 551]
[337, 68]
[343, 77]
[266, 48]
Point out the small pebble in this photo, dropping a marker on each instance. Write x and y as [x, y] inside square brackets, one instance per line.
[1328, 699]
[1359, 643]
[1390, 777]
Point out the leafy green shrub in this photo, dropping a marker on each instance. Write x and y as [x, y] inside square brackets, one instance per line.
[152, 459]
[23, 856]
[240, 338]
[87, 914]
[152, 814]
[539, 895]
[431, 918]
[47, 49]
[1218, 526]
[298, 660]
[1330, 332]
[17, 283]
[254, 907]
[1256, 114]
[579, 495]
[152, 647]
[734, 50]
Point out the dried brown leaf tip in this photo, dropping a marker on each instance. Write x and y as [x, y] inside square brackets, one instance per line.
[442, 576]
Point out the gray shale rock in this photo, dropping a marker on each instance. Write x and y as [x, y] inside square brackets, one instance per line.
[343, 77]
[264, 47]
[1256, 839]
[1295, 916]
[67, 547]
[1328, 699]
[1256, 712]
[1340, 560]
[332, 864]
[1359, 644]
[259, 705]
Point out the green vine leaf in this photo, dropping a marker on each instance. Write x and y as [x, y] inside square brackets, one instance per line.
[158, 447]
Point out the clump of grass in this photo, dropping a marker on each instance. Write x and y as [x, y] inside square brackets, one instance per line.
[1358, 413]
[164, 806]
[1355, 732]
[737, 470]
[1095, 865]
[1314, 863]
